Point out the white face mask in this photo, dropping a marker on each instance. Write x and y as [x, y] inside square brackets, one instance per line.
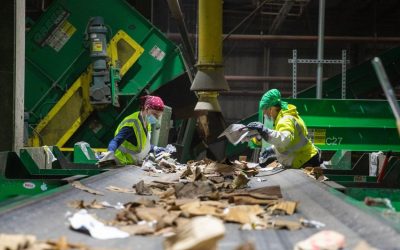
[267, 118]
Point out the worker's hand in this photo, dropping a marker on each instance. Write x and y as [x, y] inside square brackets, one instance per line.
[107, 159]
[259, 127]
[266, 157]
[107, 156]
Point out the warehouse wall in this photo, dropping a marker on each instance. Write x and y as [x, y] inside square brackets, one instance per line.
[251, 58]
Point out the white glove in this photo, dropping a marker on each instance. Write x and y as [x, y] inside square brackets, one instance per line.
[107, 156]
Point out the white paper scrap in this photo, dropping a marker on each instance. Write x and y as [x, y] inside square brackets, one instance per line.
[81, 220]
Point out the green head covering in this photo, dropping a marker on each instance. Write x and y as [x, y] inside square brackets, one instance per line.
[271, 98]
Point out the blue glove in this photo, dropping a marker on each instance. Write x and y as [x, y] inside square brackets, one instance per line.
[259, 127]
[158, 150]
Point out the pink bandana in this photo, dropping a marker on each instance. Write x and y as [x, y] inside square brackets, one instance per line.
[154, 102]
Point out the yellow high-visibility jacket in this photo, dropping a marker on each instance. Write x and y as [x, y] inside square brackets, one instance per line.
[289, 139]
[127, 153]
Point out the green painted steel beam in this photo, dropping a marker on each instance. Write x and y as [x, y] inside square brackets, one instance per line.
[356, 125]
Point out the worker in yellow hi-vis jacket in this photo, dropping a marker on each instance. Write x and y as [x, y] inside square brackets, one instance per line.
[288, 138]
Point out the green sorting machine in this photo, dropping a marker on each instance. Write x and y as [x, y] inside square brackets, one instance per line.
[87, 64]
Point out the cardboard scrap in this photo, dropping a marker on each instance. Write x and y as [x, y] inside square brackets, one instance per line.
[80, 204]
[248, 200]
[139, 229]
[243, 214]
[316, 173]
[200, 233]
[63, 244]
[193, 189]
[240, 181]
[142, 189]
[141, 202]
[79, 185]
[285, 224]
[267, 190]
[16, 241]
[29, 242]
[150, 213]
[197, 208]
[121, 190]
[283, 207]
[219, 168]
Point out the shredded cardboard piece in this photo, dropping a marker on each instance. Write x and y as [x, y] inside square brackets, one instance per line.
[326, 239]
[29, 242]
[143, 189]
[150, 213]
[63, 244]
[316, 173]
[121, 190]
[240, 181]
[244, 214]
[285, 224]
[16, 241]
[141, 202]
[193, 189]
[267, 190]
[218, 167]
[197, 208]
[80, 204]
[283, 207]
[139, 229]
[200, 233]
[79, 185]
[248, 200]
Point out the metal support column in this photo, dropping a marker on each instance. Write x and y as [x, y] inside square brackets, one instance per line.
[12, 76]
[344, 74]
[320, 69]
[294, 73]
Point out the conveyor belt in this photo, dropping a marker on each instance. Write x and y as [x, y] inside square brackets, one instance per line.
[44, 216]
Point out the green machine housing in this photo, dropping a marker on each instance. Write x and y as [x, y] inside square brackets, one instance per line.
[60, 108]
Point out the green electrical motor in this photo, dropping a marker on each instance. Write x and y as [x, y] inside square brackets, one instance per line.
[99, 90]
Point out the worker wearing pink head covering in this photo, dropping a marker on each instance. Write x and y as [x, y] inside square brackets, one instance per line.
[131, 143]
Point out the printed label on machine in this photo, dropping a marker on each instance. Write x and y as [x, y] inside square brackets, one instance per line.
[157, 53]
[97, 47]
[29, 185]
[60, 36]
[317, 136]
